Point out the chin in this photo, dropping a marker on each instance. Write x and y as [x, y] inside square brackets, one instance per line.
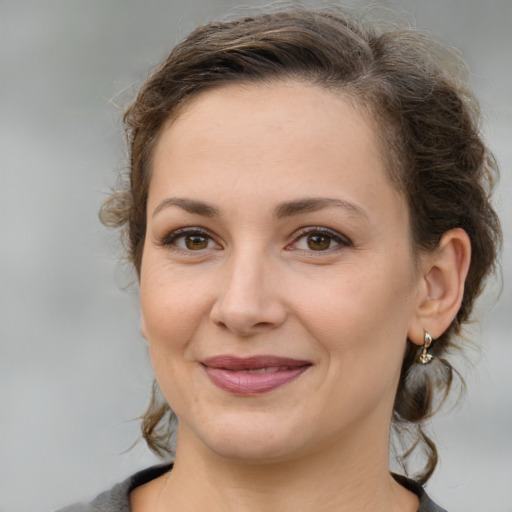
[254, 451]
[253, 441]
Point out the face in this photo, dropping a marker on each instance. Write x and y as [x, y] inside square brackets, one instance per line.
[278, 284]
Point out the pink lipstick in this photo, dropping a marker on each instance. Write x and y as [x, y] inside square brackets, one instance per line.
[253, 375]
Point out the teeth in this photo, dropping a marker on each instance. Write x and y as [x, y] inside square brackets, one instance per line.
[271, 369]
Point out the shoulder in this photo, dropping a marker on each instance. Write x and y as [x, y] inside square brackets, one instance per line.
[426, 504]
[117, 499]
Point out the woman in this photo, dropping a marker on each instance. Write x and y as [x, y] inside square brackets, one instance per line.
[308, 214]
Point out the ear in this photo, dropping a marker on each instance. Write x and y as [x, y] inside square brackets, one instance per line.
[443, 274]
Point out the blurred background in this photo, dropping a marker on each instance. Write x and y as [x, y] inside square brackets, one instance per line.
[74, 371]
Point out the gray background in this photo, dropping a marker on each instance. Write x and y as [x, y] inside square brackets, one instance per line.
[74, 371]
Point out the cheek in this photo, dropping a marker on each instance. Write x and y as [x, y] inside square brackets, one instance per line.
[358, 315]
[362, 327]
[170, 316]
[171, 307]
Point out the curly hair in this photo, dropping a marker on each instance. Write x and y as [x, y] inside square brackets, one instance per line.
[416, 93]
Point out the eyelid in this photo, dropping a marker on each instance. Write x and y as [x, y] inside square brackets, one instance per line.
[168, 239]
[342, 240]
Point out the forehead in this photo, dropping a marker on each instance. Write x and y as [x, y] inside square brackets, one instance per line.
[290, 101]
[253, 113]
[298, 136]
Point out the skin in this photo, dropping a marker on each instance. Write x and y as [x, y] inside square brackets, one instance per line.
[254, 281]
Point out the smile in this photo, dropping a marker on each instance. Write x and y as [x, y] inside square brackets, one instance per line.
[253, 375]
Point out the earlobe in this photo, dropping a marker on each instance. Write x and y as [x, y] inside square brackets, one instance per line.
[444, 273]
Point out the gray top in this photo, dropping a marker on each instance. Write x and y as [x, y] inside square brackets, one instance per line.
[117, 499]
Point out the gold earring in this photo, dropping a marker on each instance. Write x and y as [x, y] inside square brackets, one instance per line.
[425, 357]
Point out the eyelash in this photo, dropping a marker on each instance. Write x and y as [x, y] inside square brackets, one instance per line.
[170, 239]
[340, 240]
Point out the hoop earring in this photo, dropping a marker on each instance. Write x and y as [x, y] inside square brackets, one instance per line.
[425, 357]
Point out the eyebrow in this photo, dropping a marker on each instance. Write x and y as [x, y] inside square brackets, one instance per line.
[290, 208]
[285, 209]
[189, 205]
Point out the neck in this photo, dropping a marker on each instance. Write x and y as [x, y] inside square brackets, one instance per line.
[342, 477]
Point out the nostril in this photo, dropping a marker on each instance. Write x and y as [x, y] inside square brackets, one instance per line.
[246, 313]
[262, 324]
[221, 324]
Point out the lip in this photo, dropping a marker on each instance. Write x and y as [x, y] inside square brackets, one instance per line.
[253, 375]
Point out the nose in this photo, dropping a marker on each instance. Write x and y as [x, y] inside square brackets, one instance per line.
[248, 301]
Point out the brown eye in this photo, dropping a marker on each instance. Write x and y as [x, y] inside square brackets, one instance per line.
[319, 239]
[196, 242]
[190, 239]
[319, 242]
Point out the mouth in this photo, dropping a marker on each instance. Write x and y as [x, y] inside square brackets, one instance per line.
[253, 375]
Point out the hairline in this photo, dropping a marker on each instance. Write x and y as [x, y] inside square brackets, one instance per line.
[377, 121]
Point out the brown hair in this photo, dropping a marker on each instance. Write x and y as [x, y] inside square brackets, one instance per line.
[428, 120]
